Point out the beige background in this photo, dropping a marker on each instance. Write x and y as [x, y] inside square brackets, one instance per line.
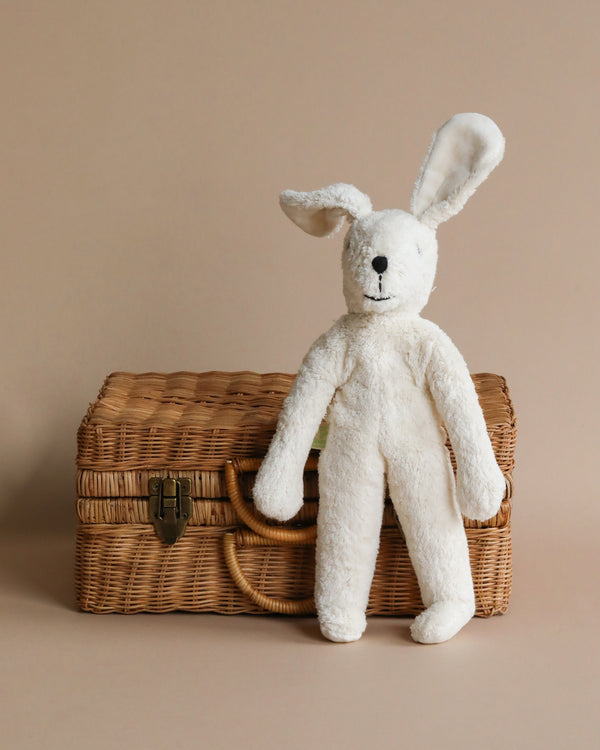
[142, 149]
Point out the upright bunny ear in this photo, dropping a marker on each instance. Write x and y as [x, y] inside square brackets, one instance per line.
[462, 154]
[322, 212]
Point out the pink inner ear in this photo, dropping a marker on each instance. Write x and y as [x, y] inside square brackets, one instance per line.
[322, 212]
[454, 158]
[320, 222]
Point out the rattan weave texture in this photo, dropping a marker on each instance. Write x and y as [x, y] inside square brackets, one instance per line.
[221, 513]
[128, 569]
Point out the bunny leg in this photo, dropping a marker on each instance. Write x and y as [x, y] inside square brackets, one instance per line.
[351, 495]
[422, 488]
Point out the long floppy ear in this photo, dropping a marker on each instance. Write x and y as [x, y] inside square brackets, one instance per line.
[322, 212]
[462, 154]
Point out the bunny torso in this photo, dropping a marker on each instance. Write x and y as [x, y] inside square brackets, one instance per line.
[383, 391]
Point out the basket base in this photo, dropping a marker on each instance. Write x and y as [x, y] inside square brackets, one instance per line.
[126, 568]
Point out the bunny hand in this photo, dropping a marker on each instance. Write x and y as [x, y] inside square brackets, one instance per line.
[279, 488]
[480, 490]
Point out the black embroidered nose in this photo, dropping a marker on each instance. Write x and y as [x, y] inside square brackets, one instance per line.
[379, 263]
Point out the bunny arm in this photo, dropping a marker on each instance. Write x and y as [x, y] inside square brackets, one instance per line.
[279, 487]
[480, 484]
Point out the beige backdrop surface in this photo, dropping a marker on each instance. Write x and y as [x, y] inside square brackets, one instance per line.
[142, 150]
[143, 147]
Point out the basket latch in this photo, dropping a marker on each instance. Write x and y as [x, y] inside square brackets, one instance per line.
[170, 506]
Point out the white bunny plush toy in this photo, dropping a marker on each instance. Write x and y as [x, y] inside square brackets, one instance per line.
[388, 379]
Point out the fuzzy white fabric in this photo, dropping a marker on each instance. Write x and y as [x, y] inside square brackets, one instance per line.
[462, 154]
[322, 212]
[387, 379]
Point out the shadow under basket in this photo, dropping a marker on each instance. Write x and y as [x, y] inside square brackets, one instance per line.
[204, 431]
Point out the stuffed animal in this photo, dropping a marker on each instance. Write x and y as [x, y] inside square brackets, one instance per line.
[388, 379]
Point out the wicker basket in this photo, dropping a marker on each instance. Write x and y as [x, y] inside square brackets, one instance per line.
[211, 429]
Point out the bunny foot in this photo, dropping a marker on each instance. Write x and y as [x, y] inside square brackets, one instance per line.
[441, 621]
[344, 631]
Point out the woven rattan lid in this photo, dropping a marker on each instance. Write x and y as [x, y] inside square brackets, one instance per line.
[180, 419]
[186, 420]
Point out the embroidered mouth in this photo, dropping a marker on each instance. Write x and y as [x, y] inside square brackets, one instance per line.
[377, 299]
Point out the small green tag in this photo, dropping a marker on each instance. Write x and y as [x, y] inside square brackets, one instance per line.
[320, 438]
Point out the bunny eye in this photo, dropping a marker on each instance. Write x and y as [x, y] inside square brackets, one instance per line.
[418, 250]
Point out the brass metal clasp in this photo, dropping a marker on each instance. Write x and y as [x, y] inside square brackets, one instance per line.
[170, 506]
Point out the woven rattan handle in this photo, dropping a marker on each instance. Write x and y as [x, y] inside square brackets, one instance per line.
[237, 466]
[280, 606]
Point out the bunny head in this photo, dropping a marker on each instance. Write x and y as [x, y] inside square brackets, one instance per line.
[389, 257]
